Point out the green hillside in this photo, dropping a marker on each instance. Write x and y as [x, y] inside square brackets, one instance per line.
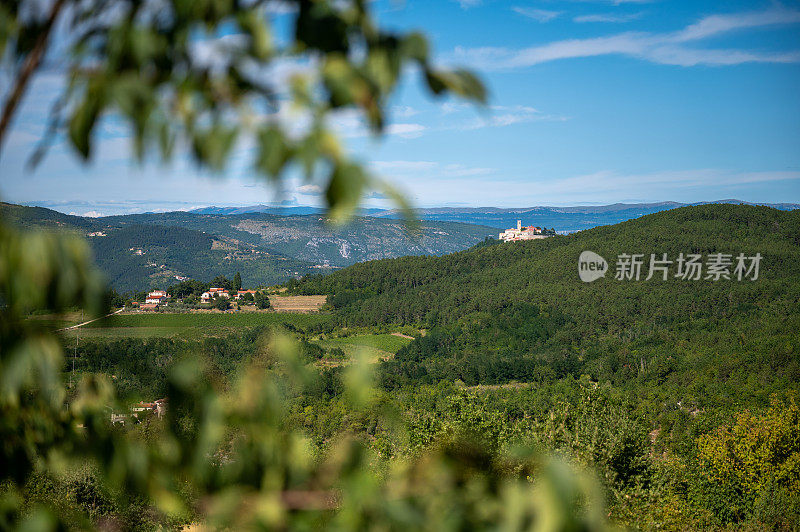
[142, 256]
[142, 251]
[519, 312]
[309, 238]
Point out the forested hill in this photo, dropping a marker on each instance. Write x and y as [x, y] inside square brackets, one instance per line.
[309, 238]
[136, 256]
[141, 251]
[518, 311]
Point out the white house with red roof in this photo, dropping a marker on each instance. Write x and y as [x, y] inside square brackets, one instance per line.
[214, 292]
[156, 297]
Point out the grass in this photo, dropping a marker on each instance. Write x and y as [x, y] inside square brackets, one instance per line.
[52, 321]
[189, 325]
[375, 347]
[132, 332]
[208, 319]
[384, 342]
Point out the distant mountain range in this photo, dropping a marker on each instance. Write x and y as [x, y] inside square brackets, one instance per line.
[141, 251]
[269, 245]
[563, 219]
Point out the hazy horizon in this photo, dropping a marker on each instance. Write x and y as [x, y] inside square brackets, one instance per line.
[100, 209]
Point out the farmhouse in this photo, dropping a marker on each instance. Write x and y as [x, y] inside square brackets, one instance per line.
[156, 296]
[158, 407]
[241, 293]
[214, 292]
[522, 233]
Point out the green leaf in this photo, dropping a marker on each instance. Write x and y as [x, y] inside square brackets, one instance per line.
[274, 151]
[344, 190]
[415, 46]
[345, 86]
[212, 146]
[413, 225]
[470, 86]
[435, 82]
[260, 38]
[81, 125]
[460, 82]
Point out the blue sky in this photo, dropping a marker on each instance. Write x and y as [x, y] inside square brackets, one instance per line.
[592, 102]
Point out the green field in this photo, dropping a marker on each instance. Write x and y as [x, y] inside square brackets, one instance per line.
[243, 319]
[190, 324]
[374, 346]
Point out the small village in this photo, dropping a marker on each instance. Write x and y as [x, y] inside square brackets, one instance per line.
[158, 299]
[219, 295]
[526, 233]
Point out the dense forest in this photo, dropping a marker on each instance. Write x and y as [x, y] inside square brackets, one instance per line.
[677, 397]
[518, 311]
[673, 358]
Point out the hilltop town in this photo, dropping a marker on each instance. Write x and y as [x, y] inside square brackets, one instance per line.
[525, 233]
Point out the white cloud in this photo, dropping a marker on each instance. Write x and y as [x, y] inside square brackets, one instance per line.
[607, 17]
[466, 4]
[615, 2]
[506, 115]
[719, 24]
[539, 15]
[403, 166]
[309, 190]
[494, 188]
[427, 169]
[460, 170]
[657, 184]
[350, 123]
[663, 48]
[405, 130]
[403, 111]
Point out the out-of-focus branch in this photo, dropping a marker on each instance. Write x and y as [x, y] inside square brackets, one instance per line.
[32, 62]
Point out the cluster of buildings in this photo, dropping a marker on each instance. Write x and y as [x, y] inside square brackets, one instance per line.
[154, 299]
[523, 233]
[139, 410]
[223, 292]
[158, 298]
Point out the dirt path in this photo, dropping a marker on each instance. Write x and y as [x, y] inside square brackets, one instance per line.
[401, 335]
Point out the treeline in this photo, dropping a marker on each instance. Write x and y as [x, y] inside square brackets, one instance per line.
[654, 331]
[686, 355]
[139, 367]
[679, 396]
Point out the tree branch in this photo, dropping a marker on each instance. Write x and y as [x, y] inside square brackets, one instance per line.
[32, 62]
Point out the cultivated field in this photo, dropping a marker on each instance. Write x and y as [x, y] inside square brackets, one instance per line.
[190, 325]
[297, 303]
[375, 347]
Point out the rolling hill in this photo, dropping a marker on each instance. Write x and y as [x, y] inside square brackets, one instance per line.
[308, 238]
[141, 251]
[519, 312]
[565, 219]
